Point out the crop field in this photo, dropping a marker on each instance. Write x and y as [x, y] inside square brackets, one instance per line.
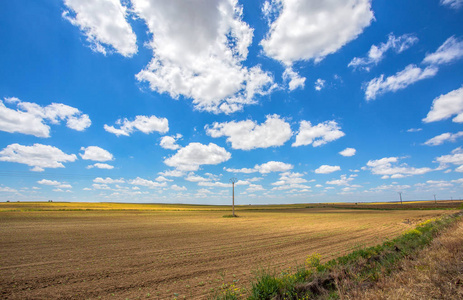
[119, 251]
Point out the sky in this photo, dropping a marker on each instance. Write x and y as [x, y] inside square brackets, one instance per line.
[153, 101]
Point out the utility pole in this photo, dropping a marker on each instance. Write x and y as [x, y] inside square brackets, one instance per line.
[233, 180]
[400, 195]
[435, 201]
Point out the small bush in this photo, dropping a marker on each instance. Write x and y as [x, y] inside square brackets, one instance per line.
[230, 216]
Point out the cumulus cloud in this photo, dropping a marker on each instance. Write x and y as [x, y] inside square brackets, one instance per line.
[451, 50]
[389, 168]
[147, 183]
[247, 135]
[95, 153]
[317, 135]
[445, 106]
[108, 180]
[178, 188]
[326, 169]
[7, 189]
[399, 81]
[290, 180]
[54, 183]
[37, 156]
[442, 138]
[376, 53]
[255, 188]
[162, 179]
[201, 56]
[100, 166]
[455, 4]
[294, 79]
[172, 173]
[319, 84]
[194, 155]
[455, 158]
[344, 180]
[31, 118]
[348, 152]
[305, 30]
[144, 124]
[170, 142]
[104, 23]
[271, 166]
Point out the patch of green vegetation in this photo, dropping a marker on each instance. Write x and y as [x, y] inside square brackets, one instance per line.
[230, 216]
[316, 280]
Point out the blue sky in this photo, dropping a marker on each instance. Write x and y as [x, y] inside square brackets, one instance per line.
[165, 101]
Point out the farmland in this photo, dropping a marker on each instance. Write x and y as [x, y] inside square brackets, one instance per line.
[92, 250]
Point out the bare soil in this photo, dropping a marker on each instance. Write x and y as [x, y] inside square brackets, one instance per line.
[173, 254]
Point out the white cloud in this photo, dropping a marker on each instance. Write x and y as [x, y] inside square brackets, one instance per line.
[271, 166]
[348, 152]
[201, 56]
[343, 181]
[319, 84]
[169, 142]
[376, 53]
[196, 178]
[96, 154]
[455, 4]
[37, 156]
[388, 167]
[243, 170]
[305, 30]
[191, 157]
[290, 180]
[172, 173]
[456, 158]
[147, 183]
[104, 23]
[7, 189]
[442, 138]
[178, 188]
[100, 166]
[317, 135]
[214, 184]
[55, 183]
[414, 129]
[142, 123]
[326, 169]
[445, 106]
[449, 51]
[162, 179]
[255, 188]
[247, 135]
[108, 180]
[399, 81]
[30, 118]
[295, 80]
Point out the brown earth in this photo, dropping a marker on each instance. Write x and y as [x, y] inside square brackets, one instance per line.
[173, 254]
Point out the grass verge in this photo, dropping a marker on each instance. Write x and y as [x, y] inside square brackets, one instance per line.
[331, 280]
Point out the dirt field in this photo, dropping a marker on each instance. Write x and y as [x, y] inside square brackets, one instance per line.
[171, 253]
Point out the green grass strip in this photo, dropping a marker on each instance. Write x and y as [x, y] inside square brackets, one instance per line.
[316, 280]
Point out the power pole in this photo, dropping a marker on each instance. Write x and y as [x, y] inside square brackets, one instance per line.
[400, 195]
[435, 201]
[233, 180]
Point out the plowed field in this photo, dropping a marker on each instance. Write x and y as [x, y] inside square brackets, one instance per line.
[173, 254]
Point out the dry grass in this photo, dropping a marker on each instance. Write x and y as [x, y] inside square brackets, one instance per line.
[434, 273]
